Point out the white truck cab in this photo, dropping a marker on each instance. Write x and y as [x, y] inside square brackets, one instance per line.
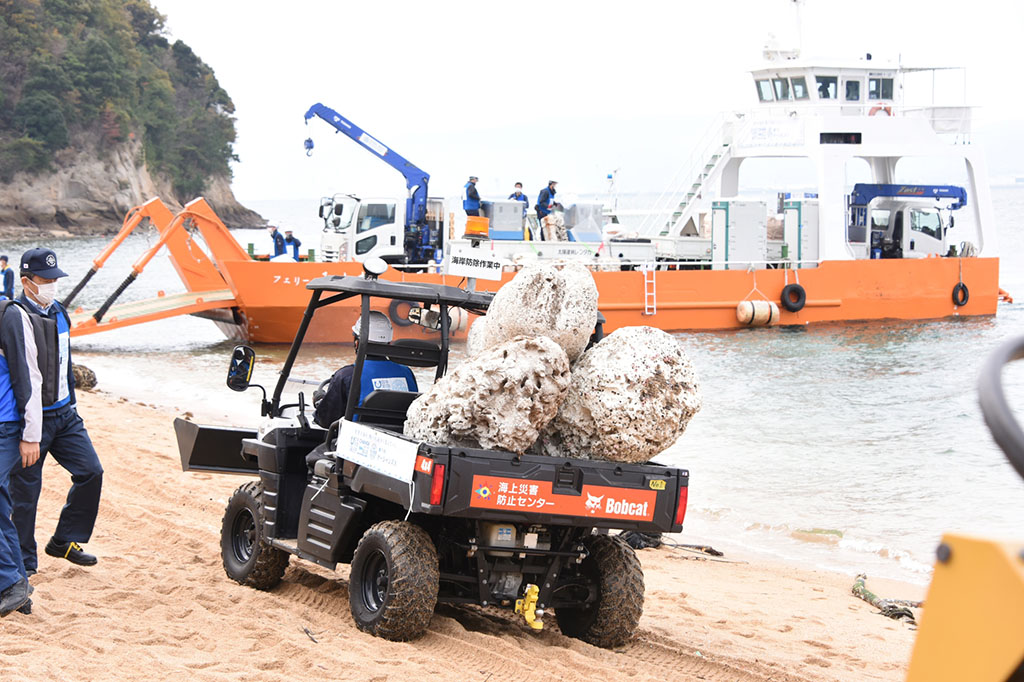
[357, 229]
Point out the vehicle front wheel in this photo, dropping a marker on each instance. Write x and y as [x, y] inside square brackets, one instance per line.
[615, 575]
[394, 581]
[248, 558]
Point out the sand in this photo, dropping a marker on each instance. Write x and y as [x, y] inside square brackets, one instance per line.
[159, 606]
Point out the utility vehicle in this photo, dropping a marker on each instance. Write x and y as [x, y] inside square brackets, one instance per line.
[422, 523]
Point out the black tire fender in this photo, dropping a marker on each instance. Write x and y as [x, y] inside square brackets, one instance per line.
[394, 581]
[397, 318]
[248, 558]
[794, 298]
[960, 294]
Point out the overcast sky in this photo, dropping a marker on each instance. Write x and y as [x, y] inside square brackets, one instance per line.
[533, 91]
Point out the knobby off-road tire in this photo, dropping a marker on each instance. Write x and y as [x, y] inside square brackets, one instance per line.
[248, 559]
[612, 620]
[394, 581]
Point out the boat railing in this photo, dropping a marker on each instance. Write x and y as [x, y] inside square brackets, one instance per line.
[617, 263]
[691, 172]
[944, 120]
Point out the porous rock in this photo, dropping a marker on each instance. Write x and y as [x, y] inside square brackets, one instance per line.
[631, 396]
[558, 301]
[501, 399]
[85, 378]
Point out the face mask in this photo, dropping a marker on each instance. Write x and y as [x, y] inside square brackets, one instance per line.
[45, 293]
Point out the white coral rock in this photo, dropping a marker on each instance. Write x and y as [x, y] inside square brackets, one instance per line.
[557, 301]
[501, 399]
[631, 396]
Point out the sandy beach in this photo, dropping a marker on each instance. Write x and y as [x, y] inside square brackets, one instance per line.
[159, 606]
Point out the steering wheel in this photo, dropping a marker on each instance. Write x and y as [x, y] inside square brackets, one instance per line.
[320, 392]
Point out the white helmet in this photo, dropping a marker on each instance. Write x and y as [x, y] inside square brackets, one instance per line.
[380, 327]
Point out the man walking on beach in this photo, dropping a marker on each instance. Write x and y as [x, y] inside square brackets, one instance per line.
[8, 279]
[63, 434]
[21, 419]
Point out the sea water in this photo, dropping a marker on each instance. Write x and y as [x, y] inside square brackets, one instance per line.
[848, 446]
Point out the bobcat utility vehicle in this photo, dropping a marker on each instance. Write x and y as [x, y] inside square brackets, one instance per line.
[422, 523]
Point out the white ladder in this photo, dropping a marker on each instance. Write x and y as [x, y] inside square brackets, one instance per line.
[650, 288]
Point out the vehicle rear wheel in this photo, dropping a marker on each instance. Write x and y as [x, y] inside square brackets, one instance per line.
[618, 580]
[248, 558]
[394, 581]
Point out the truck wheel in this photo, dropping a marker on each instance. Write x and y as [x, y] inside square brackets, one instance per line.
[616, 575]
[394, 581]
[248, 559]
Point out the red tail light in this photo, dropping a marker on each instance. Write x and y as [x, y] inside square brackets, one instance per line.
[681, 509]
[437, 484]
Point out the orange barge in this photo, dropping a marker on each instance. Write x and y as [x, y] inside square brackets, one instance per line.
[268, 298]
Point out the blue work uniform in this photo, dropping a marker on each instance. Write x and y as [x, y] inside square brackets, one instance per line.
[381, 375]
[544, 201]
[8, 284]
[279, 247]
[294, 243]
[471, 201]
[519, 196]
[20, 419]
[64, 436]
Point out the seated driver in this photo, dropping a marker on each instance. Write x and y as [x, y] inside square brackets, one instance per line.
[378, 374]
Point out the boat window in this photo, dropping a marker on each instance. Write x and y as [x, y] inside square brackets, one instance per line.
[927, 222]
[781, 88]
[880, 218]
[764, 91]
[827, 87]
[799, 88]
[852, 91]
[374, 215]
[879, 88]
[365, 244]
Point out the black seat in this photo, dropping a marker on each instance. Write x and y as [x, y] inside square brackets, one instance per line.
[386, 408]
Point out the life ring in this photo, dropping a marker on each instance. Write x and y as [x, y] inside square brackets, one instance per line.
[393, 312]
[886, 109]
[794, 297]
[960, 294]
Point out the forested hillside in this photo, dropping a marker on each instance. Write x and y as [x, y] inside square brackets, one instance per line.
[97, 77]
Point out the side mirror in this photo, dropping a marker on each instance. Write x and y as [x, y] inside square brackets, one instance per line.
[951, 221]
[339, 209]
[243, 359]
[336, 221]
[321, 210]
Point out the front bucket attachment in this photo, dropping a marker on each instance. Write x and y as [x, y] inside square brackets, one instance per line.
[213, 448]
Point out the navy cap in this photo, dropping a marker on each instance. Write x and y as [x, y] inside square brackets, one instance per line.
[41, 263]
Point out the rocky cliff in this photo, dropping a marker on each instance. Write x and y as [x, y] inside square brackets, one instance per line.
[86, 194]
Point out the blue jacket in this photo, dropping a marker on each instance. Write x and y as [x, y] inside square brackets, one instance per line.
[279, 247]
[377, 374]
[8, 286]
[56, 312]
[472, 200]
[19, 391]
[544, 201]
[293, 242]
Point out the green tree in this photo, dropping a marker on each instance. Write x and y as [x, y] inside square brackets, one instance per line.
[39, 116]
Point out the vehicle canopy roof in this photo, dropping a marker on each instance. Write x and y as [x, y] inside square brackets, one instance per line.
[438, 294]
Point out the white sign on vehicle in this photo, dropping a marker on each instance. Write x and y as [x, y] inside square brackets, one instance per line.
[377, 450]
[481, 263]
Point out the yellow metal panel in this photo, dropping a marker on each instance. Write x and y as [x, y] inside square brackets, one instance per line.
[972, 627]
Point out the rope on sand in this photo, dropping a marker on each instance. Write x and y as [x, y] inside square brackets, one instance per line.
[897, 609]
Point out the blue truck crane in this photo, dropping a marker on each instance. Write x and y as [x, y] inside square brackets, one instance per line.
[903, 221]
[420, 238]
